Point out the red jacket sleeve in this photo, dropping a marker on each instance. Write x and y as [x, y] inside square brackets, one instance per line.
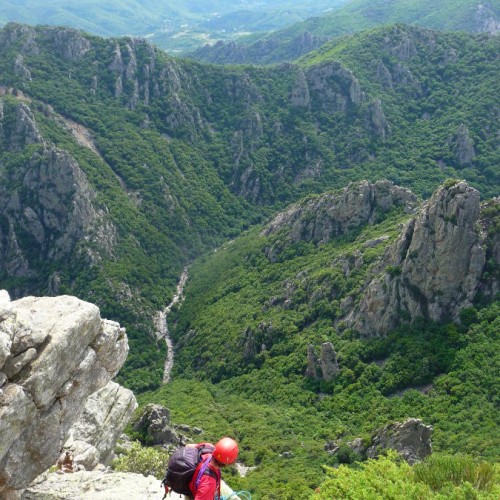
[207, 488]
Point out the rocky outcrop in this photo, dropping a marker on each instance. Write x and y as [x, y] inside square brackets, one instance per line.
[433, 270]
[299, 96]
[376, 120]
[68, 43]
[155, 423]
[324, 217]
[463, 146]
[54, 354]
[325, 367]
[97, 485]
[13, 34]
[47, 205]
[23, 132]
[411, 439]
[333, 88]
[93, 437]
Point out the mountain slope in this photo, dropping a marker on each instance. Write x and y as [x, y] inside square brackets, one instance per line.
[356, 15]
[266, 320]
[171, 25]
[164, 159]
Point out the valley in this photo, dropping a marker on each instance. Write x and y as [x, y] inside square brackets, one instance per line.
[339, 216]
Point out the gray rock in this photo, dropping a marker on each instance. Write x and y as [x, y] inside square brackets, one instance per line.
[300, 92]
[333, 88]
[156, 422]
[322, 218]
[326, 366]
[50, 199]
[98, 485]
[463, 146]
[312, 370]
[93, 437]
[376, 120]
[433, 270]
[60, 353]
[328, 362]
[411, 439]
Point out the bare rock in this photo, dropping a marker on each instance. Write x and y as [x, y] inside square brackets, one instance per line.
[376, 120]
[69, 43]
[68, 353]
[322, 218]
[328, 362]
[95, 485]
[325, 367]
[299, 96]
[411, 439]
[93, 437]
[433, 270]
[50, 199]
[25, 130]
[156, 422]
[20, 68]
[463, 146]
[333, 87]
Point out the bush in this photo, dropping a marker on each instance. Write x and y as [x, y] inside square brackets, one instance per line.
[438, 470]
[439, 477]
[145, 461]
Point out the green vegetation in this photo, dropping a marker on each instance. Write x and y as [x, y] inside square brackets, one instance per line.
[352, 17]
[387, 477]
[238, 299]
[213, 151]
[146, 461]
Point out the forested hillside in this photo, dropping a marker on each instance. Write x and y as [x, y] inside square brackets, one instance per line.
[265, 339]
[175, 156]
[175, 26]
[356, 15]
[341, 278]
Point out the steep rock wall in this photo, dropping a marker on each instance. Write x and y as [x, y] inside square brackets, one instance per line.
[433, 270]
[54, 354]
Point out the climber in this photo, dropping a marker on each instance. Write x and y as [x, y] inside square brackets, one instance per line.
[65, 463]
[225, 452]
[194, 470]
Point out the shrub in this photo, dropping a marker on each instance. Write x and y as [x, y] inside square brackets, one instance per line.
[438, 470]
[145, 461]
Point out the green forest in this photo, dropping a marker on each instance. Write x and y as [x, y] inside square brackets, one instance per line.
[189, 165]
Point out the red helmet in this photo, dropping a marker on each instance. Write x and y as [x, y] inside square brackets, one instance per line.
[226, 451]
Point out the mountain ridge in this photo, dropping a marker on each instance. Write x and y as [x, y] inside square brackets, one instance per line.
[299, 39]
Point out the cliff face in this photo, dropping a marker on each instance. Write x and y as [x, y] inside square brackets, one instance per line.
[327, 216]
[264, 51]
[54, 354]
[46, 205]
[433, 270]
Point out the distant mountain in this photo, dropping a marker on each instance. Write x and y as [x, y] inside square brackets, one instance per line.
[356, 15]
[176, 26]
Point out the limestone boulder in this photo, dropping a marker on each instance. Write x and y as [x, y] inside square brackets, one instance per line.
[93, 437]
[55, 353]
[411, 439]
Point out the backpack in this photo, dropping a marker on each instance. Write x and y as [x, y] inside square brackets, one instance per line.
[183, 464]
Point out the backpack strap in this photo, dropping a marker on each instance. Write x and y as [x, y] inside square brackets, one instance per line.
[204, 468]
